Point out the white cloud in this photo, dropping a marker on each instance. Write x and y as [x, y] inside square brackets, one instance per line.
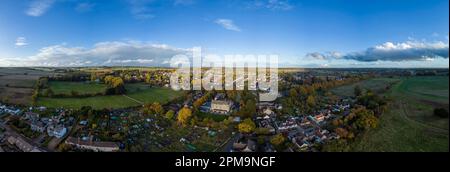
[276, 5]
[131, 53]
[21, 41]
[183, 2]
[228, 24]
[389, 51]
[140, 9]
[39, 7]
[323, 56]
[84, 7]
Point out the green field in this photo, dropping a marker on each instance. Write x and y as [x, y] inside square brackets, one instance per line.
[136, 95]
[409, 125]
[376, 84]
[63, 87]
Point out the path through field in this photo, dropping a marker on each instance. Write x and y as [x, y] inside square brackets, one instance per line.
[137, 101]
[409, 124]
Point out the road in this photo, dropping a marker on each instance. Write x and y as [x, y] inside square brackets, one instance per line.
[228, 146]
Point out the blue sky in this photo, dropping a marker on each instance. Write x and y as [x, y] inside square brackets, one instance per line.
[319, 33]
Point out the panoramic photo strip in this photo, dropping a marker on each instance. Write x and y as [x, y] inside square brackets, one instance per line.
[263, 79]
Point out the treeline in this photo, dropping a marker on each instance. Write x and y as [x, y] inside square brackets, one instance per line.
[72, 77]
[41, 83]
[73, 94]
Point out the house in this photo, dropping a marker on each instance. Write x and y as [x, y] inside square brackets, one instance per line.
[221, 106]
[83, 123]
[37, 126]
[245, 146]
[289, 124]
[319, 118]
[31, 116]
[266, 123]
[268, 111]
[93, 145]
[57, 131]
[251, 146]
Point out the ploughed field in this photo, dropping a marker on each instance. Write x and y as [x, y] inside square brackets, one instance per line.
[409, 124]
[137, 94]
[17, 84]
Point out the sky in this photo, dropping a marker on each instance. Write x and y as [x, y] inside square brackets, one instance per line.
[303, 33]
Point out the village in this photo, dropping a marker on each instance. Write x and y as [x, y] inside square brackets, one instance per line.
[215, 125]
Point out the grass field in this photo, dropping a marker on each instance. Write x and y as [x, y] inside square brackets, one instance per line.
[61, 87]
[376, 84]
[409, 124]
[136, 94]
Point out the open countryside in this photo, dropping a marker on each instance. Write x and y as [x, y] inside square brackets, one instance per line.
[137, 95]
[409, 124]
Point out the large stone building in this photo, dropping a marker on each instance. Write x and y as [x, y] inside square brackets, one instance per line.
[221, 106]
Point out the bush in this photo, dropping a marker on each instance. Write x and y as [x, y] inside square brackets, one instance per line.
[441, 112]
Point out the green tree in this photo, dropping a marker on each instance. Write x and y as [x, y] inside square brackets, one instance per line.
[74, 93]
[183, 116]
[49, 92]
[357, 91]
[311, 101]
[170, 114]
[247, 126]
[277, 140]
[365, 119]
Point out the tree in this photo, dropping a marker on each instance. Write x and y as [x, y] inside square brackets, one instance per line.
[357, 91]
[148, 78]
[93, 77]
[277, 140]
[311, 101]
[247, 126]
[303, 91]
[157, 108]
[293, 93]
[248, 109]
[341, 132]
[183, 116]
[34, 97]
[49, 92]
[74, 93]
[170, 114]
[201, 100]
[262, 131]
[115, 85]
[365, 119]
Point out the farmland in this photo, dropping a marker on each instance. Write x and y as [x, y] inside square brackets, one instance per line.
[17, 84]
[409, 125]
[61, 87]
[378, 85]
[136, 95]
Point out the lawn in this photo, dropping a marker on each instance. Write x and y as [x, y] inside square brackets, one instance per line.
[63, 87]
[409, 124]
[136, 93]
